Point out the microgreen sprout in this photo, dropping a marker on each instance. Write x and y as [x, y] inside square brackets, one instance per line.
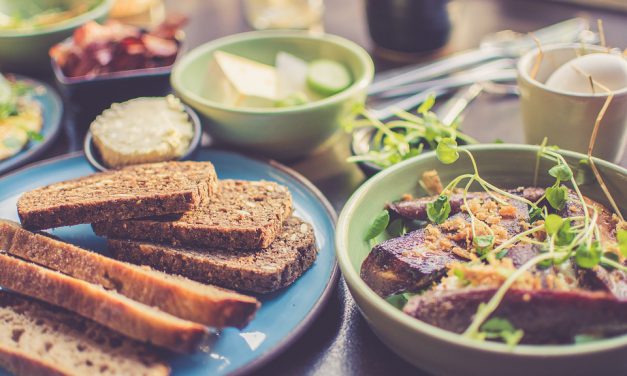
[405, 137]
[378, 225]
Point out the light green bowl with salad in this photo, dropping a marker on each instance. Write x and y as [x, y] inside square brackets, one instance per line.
[278, 132]
[28, 28]
[436, 350]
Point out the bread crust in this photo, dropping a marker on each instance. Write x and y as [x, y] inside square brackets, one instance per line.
[260, 271]
[132, 192]
[40, 339]
[178, 296]
[108, 308]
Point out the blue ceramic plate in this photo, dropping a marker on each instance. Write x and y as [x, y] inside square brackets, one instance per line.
[283, 316]
[52, 109]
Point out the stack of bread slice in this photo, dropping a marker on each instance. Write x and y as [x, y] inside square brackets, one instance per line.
[184, 229]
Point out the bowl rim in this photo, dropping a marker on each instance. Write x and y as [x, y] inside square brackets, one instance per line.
[99, 10]
[360, 83]
[523, 70]
[355, 282]
[91, 153]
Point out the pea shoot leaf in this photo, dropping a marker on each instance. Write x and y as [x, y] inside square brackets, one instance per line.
[502, 328]
[561, 172]
[588, 257]
[556, 196]
[35, 136]
[483, 243]
[439, 210]
[565, 234]
[427, 104]
[552, 224]
[447, 151]
[378, 225]
[584, 174]
[535, 214]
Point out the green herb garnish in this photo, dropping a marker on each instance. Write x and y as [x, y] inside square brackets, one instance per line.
[439, 210]
[556, 196]
[378, 225]
[499, 328]
[405, 137]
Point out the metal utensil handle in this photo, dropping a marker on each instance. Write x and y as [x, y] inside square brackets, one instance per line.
[406, 104]
[435, 69]
[564, 31]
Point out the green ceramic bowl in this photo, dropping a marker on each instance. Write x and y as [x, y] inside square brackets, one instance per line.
[437, 350]
[27, 50]
[286, 132]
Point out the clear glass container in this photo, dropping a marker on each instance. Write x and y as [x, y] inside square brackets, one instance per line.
[284, 14]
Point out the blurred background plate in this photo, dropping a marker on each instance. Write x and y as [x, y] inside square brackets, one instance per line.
[52, 111]
[283, 316]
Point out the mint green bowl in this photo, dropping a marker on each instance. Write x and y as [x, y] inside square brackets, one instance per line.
[437, 350]
[282, 133]
[27, 50]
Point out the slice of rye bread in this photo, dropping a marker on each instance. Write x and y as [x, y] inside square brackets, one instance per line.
[241, 215]
[38, 339]
[132, 192]
[115, 311]
[261, 271]
[176, 295]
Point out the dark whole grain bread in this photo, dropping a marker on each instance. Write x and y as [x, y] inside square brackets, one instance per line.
[115, 311]
[176, 295]
[132, 192]
[241, 215]
[262, 271]
[38, 339]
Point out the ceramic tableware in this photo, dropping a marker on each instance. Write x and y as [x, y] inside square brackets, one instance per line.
[278, 132]
[441, 352]
[565, 118]
[27, 50]
[284, 315]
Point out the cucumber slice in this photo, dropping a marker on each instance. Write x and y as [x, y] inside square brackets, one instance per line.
[327, 77]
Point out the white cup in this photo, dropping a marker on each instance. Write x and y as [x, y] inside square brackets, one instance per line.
[567, 119]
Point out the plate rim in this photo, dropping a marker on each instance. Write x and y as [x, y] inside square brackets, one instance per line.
[27, 155]
[322, 301]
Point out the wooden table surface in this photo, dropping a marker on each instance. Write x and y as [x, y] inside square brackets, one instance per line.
[339, 340]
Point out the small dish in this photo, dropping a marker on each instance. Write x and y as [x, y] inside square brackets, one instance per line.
[436, 350]
[52, 112]
[94, 159]
[361, 142]
[94, 94]
[278, 132]
[27, 50]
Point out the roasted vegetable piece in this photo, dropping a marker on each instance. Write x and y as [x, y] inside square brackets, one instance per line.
[545, 316]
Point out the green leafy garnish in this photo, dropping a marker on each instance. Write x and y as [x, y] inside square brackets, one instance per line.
[447, 151]
[552, 224]
[427, 105]
[404, 137]
[556, 196]
[535, 214]
[588, 257]
[565, 234]
[584, 174]
[378, 225]
[501, 328]
[439, 210]
[483, 243]
[562, 172]
[35, 136]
